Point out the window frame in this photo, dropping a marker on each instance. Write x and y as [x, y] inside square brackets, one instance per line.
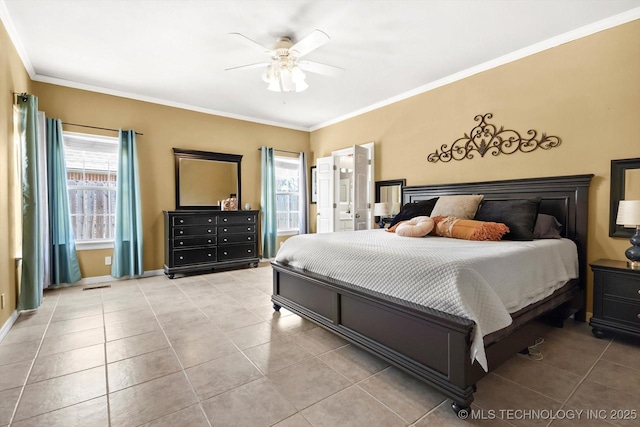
[283, 159]
[83, 137]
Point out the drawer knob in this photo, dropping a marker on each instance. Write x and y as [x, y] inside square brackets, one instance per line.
[638, 315]
[209, 219]
[638, 291]
[248, 228]
[248, 237]
[181, 257]
[209, 241]
[224, 253]
[249, 251]
[181, 243]
[249, 219]
[208, 231]
[182, 221]
[181, 232]
[225, 219]
[224, 229]
[209, 254]
[224, 240]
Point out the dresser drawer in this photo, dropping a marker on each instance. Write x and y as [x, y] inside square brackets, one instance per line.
[183, 242]
[620, 285]
[194, 220]
[193, 256]
[236, 219]
[237, 229]
[236, 252]
[621, 311]
[227, 239]
[193, 231]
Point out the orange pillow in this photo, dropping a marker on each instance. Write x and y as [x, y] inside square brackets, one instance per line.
[468, 229]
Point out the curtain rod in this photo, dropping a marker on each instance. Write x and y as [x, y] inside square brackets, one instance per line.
[95, 127]
[22, 95]
[283, 151]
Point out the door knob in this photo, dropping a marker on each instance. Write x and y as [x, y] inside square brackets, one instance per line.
[357, 215]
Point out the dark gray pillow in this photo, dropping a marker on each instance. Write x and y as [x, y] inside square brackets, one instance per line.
[519, 215]
[547, 227]
[412, 210]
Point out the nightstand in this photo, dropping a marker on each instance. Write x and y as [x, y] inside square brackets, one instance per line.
[616, 298]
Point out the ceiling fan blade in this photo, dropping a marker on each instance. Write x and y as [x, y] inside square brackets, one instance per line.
[313, 41]
[248, 66]
[252, 44]
[318, 68]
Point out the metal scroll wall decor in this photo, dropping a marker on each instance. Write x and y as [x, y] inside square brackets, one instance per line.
[486, 138]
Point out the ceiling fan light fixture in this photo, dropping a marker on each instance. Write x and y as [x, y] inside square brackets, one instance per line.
[297, 75]
[301, 86]
[274, 85]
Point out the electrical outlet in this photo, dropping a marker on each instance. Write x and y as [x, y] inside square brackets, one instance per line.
[107, 260]
[2, 298]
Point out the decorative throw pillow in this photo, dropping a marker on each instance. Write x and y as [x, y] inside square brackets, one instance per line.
[462, 207]
[519, 215]
[468, 229]
[547, 227]
[419, 226]
[412, 210]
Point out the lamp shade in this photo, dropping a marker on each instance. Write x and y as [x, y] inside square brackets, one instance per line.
[381, 209]
[628, 213]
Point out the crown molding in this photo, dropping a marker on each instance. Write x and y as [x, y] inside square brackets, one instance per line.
[13, 35]
[150, 99]
[578, 33]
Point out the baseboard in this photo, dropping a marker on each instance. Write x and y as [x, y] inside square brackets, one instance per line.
[8, 324]
[102, 279]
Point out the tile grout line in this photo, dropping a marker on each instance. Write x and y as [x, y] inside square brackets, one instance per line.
[175, 354]
[33, 362]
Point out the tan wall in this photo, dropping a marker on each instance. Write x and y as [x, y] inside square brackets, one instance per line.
[587, 92]
[13, 78]
[163, 128]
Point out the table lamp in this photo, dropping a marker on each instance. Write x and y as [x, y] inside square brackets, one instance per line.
[629, 217]
[381, 210]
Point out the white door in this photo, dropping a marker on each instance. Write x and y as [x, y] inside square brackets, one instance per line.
[360, 196]
[326, 191]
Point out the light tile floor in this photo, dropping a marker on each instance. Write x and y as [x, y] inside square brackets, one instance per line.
[209, 350]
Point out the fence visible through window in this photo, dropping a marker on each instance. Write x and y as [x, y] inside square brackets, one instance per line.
[91, 179]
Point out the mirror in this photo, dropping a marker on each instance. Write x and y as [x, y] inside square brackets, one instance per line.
[391, 192]
[625, 185]
[204, 178]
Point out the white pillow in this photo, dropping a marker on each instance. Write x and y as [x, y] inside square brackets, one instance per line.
[415, 227]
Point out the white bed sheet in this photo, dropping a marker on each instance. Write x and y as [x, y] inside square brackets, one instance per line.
[481, 281]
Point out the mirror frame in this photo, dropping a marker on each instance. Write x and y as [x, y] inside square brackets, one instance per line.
[390, 183]
[180, 153]
[618, 170]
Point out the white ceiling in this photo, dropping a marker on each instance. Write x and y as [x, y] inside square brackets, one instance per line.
[174, 52]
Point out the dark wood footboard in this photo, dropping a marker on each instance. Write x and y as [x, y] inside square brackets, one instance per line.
[429, 344]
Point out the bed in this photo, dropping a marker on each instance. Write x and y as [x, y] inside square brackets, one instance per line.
[430, 344]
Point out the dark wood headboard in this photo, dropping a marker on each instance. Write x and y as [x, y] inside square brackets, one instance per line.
[565, 197]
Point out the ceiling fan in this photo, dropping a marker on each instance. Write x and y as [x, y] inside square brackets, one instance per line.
[284, 71]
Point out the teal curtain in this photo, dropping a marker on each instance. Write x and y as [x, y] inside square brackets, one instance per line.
[127, 249]
[268, 204]
[64, 267]
[32, 229]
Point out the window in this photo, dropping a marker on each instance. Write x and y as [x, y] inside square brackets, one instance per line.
[287, 194]
[92, 163]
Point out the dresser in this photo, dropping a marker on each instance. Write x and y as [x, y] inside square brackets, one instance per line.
[616, 298]
[203, 240]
